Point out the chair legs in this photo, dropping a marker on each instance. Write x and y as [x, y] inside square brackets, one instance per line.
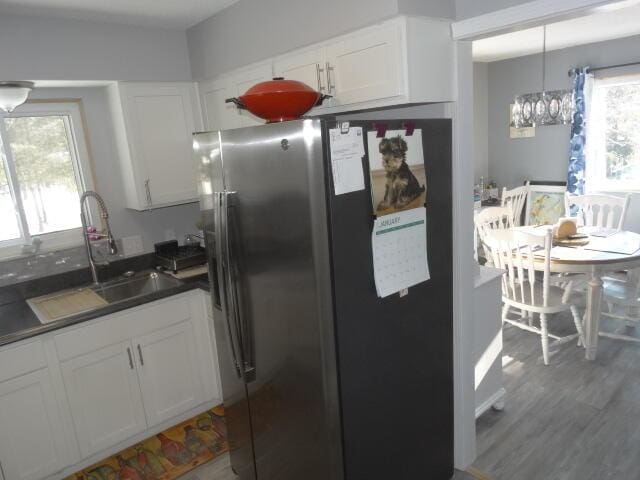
[577, 319]
[544, 337]
[505, 312]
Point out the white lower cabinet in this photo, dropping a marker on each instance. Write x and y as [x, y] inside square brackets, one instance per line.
[104, 396]
[106, 383]
[31, 445]
[169, 372]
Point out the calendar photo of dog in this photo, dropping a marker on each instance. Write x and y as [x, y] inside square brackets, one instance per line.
[398, 178]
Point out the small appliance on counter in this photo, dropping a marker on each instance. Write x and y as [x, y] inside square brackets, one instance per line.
[177, 258]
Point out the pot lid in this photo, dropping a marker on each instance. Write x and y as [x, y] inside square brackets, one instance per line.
[279, 84]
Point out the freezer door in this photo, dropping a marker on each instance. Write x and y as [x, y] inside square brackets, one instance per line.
[206, 147]
[274, 179]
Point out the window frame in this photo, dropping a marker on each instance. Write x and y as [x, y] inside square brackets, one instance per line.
[596, 165]
[73, 116]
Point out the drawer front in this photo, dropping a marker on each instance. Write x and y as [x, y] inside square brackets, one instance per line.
[122, 326]
[16, 361]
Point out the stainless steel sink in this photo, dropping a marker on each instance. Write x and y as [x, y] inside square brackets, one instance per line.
[143, 284]
[63, 304]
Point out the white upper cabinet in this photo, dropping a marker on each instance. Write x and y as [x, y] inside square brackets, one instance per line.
[405, 60]
[217, 114]
[306, 67]
[154, 123]
[366, 66]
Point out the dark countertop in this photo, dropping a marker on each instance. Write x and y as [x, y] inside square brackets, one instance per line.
[18, 322]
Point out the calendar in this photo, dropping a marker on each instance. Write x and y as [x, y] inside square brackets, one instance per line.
[399, 244]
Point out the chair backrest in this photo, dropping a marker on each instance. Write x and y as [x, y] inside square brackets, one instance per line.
[515, 199]
[488, 219]
[492, 218]
[516, 253]
[599, 210]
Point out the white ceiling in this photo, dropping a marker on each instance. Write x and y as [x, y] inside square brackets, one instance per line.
[161, 13]
[598, 27]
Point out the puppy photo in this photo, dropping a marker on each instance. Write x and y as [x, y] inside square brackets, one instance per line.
[397, 173]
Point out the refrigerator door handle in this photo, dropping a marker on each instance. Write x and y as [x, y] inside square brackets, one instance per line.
[242, 327]
[220, 225]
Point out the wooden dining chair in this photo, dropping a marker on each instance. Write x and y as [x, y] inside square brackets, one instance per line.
[515, 199]
[599, 210]
[516, 252]
[487, 220]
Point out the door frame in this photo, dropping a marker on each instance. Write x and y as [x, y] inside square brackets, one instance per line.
[526, 15]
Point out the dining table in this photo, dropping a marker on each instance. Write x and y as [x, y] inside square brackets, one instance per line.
[606, 251]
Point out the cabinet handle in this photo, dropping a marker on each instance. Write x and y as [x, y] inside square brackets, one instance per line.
[140, 355]
[148, 189]
[329, 69]
[319, 71]
[130, 358]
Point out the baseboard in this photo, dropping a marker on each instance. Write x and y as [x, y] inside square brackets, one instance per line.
[475, 473]
[489, 402]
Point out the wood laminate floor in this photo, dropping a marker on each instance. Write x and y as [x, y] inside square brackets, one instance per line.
[571, 420]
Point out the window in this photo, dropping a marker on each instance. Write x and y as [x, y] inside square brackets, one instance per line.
[613, 130]
[43, 171]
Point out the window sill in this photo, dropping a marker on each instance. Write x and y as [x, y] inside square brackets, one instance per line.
[51, 242]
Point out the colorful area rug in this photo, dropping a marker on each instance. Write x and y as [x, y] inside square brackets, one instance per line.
[167, 455]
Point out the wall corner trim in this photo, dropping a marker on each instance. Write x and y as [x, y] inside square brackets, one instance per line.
[529, 14]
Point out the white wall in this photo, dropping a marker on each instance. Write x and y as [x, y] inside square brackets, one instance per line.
[108, 177]
[546, 156]
[472, 8]
[35, 48]
[38, 48]
[480, 121]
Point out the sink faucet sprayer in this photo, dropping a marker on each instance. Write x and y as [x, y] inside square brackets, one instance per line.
[104, 214]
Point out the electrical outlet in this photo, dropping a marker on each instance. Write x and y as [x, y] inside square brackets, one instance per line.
[170, 234]
[132, 245]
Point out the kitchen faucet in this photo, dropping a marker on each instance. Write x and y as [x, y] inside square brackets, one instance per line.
[104, 214]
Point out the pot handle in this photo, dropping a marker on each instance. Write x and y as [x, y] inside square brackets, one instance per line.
[237, 102]
[322, 98]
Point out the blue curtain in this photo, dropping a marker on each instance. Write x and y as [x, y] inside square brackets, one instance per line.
[576, 174]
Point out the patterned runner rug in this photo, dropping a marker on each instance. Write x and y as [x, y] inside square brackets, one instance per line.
[167, 455]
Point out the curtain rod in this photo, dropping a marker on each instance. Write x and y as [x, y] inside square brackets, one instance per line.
[608, 67]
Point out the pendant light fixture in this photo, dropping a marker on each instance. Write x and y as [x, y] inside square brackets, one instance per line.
[13, 94]
[553, 107]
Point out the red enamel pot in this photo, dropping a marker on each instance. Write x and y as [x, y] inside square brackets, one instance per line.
[279, 100]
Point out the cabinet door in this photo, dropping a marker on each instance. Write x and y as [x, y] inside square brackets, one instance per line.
[32, 444]
[104, 397]
[161, 119]
[217, 114]
[366, 66]
[169, 372]
[306, 67]
[243, 81]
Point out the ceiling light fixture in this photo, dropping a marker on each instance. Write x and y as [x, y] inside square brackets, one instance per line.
[13, 94]
[553, 107]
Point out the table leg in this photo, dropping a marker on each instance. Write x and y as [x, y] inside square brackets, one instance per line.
[592, 315]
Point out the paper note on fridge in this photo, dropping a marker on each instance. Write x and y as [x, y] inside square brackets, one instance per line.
[347, 150]
[400, 251]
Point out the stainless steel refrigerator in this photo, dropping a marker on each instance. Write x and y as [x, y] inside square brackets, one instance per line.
[322, 379]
